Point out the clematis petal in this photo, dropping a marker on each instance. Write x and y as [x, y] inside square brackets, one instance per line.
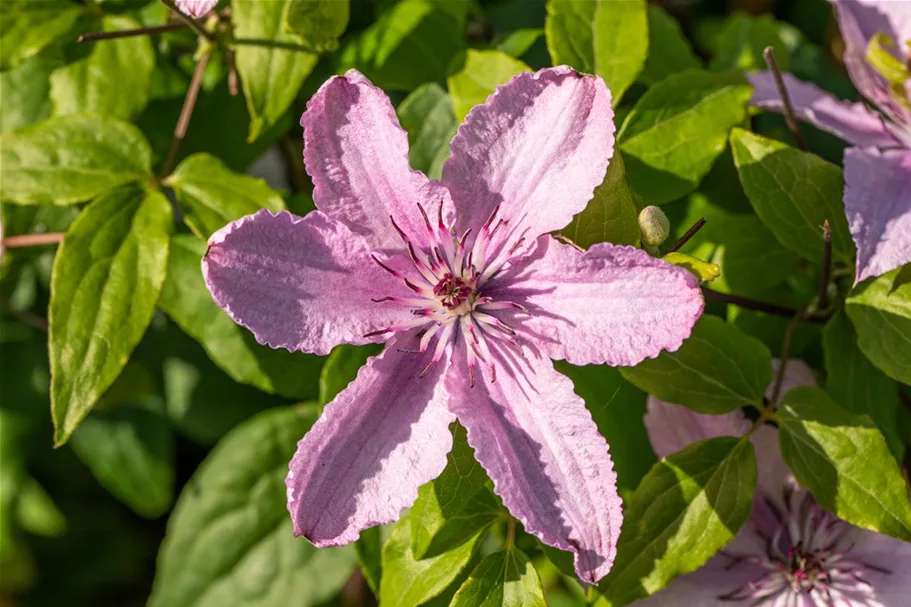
[672, 428]
[381, 438]
[890, 556]
[853, 122]
[543, 452]
[195, 8]
[298, 283]
[357, 154]
[878, 206]
[538, 147]
[610, 304]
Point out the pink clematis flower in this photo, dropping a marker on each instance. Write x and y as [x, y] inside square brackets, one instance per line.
[473, 297]
[791, 551]
[195, 8]
[878, 170]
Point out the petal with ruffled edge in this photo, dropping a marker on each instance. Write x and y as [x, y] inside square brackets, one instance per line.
[195, 8]
[357, 154]
[853, 122]
[300, 283]
[361, 464]
[538, 148]
[878, 206]
[543, 452]
[610, 304]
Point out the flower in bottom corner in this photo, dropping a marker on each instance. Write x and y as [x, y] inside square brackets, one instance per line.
[195, 8]
[790, 551]
[473, 298]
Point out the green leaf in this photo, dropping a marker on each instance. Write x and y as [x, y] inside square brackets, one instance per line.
[743, 39]
[793, 192]
[677, 129]
[412, 43]
[230, 540]
[107, 276]
[454, 507]
[71, 159]
[611, 215]
[503, 579]
[232, 347]
[369, 549]
[272, 63]
[702, 270]
[114, 78]
[690, 505]
[341, 368]
[409, 582]
[881, 312]
[36, 512]
[717, 370]
[480, 74]
[604, 37]
[211, 195]
[319, 23]
[669, 51]
[28, 26]
[428, 117]
[856, 384]
[130, 450]
[25, 89]
[845, 463]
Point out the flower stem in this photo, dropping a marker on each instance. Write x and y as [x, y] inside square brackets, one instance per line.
[826, 266]
[686, 237]
[186, 112]
[29, 240]
[789, 115]
[510, 533]
[783, 358]
[141, 31]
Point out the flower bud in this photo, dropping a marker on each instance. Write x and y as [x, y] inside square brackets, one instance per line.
[654, 225]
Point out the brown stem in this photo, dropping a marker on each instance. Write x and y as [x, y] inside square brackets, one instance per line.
[686, 237]
[186, 112]
[233, 87]
[826, 266]
[783, 358]
[24, 315]
[29, 240]
[191, 22]
[789, 115]
[142, 31]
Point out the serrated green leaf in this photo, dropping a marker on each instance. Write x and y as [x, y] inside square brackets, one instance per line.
[211, 195]
[428, 117]
[114, 78]
[793, 192]
[611, 214]
[341, 368]
[881, 312]
[687, 507]
[845, 463]
[743, 39]
[604, 37]
[271, 62]
[717, 370]
[454, 507]
[230, 540]
[71, 159]
[409, 582]
[677, 129]
[480, 74]
[107, 276]
[856, 384]
[27, 27]
[233, 348]
[319, 23]
[669, 51]
[24, 93]
[503, 579]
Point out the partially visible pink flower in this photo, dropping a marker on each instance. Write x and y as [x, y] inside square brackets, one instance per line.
[195, 8]
[791, 551]
[473, 296]
[878, 171]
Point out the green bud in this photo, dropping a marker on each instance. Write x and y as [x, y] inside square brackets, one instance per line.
[654, 225]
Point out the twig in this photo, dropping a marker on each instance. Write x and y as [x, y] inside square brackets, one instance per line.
[233, 87]
[24, 315]
[826, 266]
[789, 115]
[191, 22]
[186, 112]
[686, 237]
[28, 240]
[142, 31]
[783, 359]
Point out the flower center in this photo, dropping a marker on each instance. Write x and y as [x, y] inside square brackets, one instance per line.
[454, 294]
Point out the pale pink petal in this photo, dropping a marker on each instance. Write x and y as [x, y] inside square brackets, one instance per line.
[878, 206]
[538, 148]
[543, 452]
[195, 8]
[672, 428]
[361, 464]
[357, 154]
[892, 583]
[853, 122]
[299, 283]
[610, 304]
